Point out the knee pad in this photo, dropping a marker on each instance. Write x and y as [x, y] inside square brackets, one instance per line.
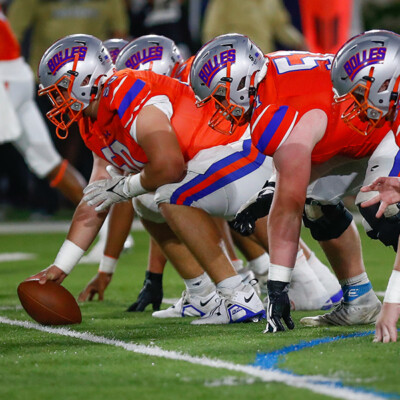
[387, 228]
[326, 222]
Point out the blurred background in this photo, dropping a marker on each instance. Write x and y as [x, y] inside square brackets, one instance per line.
[311, 25]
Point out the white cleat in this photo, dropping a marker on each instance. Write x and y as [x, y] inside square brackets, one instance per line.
[189, 306]
[249, 277]
[235, 305]
[361, 311]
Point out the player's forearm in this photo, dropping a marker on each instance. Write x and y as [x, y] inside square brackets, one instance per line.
[283, 233]
[85, 225]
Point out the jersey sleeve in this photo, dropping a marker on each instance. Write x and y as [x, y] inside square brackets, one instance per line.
[271, 126]
[127, 96]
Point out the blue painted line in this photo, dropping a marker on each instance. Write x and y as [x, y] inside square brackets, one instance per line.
[272, 359]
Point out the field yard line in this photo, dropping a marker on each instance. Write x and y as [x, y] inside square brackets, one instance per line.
[319, 384]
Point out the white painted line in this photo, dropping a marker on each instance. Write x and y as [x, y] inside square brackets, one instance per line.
[318, 384]
[5, 257]
[15, 308]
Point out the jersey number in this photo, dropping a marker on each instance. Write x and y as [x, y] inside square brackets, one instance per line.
[302, 63]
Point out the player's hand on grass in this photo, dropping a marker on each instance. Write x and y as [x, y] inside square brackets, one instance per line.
[386, 330]
[278, 307]
[97, 285]
[151, 293]
[51, 273]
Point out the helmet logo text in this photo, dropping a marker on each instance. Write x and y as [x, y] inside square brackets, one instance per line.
[363, 59]
[215, 64]
[65, 56]
[144, 56]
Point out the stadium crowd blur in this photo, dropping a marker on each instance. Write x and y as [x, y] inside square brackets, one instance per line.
[272, 24]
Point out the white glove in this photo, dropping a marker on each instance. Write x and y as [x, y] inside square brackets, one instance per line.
[106, 192]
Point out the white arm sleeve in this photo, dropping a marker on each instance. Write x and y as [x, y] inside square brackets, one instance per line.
[162, 103]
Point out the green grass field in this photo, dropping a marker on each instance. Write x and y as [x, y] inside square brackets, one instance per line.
[134, 356]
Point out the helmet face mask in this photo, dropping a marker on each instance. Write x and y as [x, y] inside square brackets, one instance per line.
[224, 71]
[70, 74]
[150, 52]
[366, 72]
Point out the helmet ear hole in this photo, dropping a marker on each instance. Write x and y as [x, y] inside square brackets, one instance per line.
[241, 84]
[86, 81]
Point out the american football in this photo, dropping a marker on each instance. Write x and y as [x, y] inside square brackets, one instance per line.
[49, 304]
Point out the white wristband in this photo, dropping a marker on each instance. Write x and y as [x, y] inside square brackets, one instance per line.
[392, 294]
[68, 256]
[279, 273]
[133, 186]
[108, 264]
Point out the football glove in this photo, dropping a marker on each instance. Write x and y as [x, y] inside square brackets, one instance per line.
[278, 307]
[151, 293]
[106, 192]
[256, 207]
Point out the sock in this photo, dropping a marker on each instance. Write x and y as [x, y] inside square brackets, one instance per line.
[202, 285]
[355, 287]
[260, 265]
[238, 265]
[230, 283]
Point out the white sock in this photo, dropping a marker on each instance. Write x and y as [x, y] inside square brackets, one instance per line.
[260, 265]
[202, 285]
[361, 279]
[306, 292]
[325, 275]
[230, 283]
[238, 265]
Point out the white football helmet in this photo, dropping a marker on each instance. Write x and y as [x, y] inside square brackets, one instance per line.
[225, 70]
[114, 47]
[70, 73]
[151, 52]
[366, 70]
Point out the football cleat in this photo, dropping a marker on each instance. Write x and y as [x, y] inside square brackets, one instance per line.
[248, 276]
[234, 305]
[189, 305]
[361, 311]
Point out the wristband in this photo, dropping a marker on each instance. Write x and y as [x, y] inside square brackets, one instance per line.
[68, 256]
[279, 273]
[108, 264]
[132, 186]
[392, 294]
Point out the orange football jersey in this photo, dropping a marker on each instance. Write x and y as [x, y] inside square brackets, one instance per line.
[123, 97]
[296, 83]
[9, 46]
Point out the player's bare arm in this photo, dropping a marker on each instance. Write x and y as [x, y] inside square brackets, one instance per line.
[157, 138]
[85, 225]
[293, 164]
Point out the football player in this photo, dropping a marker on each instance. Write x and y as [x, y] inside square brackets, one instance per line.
[288, 101]
[366, 71]
[22, 124]
[147, 126]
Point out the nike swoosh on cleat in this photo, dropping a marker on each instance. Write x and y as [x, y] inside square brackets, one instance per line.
[247, 300]
[206, 302]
